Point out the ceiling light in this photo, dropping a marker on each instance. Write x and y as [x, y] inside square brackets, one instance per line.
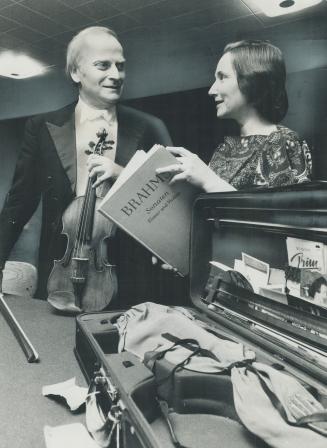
[273, 8]
[19, 65]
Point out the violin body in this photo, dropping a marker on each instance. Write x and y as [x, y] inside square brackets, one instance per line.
[84, 279]
[100, 286]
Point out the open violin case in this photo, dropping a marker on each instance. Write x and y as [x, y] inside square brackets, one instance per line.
[157, 404]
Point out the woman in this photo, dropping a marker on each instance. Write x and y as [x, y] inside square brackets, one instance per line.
[249, 88]
[318, 291]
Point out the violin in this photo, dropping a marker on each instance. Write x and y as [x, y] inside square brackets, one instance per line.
[84, 279]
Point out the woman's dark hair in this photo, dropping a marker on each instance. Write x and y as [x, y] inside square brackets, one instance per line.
[316, 286]
[261, 76]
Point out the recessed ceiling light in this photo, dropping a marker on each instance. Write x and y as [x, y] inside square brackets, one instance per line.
[19, 65]
[273, 8]
[287, 3]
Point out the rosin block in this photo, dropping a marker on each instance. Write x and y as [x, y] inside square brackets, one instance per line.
[152, 211]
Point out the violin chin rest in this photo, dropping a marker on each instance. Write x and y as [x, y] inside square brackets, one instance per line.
[64, 301]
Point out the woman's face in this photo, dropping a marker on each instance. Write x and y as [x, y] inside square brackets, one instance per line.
[230, 101]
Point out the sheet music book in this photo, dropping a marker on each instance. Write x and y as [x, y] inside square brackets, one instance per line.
[156, 214]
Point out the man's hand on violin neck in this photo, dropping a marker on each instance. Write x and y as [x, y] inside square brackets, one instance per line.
[101, 168]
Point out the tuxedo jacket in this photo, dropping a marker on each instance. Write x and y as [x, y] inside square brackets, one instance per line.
[46, 170]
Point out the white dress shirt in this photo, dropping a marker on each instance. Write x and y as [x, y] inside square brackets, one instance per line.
[88, 121]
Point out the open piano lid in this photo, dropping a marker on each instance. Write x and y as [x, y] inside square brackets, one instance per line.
[265, 226]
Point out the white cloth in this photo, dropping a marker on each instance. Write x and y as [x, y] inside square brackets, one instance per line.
[88, 121]
[141, 329]
[259, 415]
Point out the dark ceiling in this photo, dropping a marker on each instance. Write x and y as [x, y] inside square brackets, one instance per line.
[42, 28]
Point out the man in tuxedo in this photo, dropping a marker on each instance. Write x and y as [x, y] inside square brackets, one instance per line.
[54, 167]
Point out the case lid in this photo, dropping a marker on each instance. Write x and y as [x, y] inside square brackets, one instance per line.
[259, 266]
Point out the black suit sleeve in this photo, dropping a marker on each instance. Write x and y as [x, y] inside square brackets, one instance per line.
[24, 194]
[157, 133]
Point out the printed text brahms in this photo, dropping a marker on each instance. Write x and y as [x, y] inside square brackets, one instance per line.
[145, 193]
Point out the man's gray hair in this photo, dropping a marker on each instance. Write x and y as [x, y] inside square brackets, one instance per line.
[76, 43]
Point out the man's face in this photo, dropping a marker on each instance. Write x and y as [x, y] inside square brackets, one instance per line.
[100, 70]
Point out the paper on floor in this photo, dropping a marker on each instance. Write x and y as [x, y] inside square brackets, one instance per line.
[74, 395]
[74, 435]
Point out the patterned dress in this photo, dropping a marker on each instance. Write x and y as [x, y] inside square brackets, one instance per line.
[279, 158]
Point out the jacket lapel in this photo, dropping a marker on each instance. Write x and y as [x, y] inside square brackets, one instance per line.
[62, 132]
[63, 136]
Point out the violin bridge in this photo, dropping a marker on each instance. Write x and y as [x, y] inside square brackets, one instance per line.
[79, 269]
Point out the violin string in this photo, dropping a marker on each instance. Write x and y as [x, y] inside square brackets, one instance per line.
[82, 222]
[79, 231]
[84, 218]
[77, 237]
[86, 212]
[81, 225]
[92, 194]
[77, 247]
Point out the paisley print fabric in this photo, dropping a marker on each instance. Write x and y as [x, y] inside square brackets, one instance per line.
[279, 158]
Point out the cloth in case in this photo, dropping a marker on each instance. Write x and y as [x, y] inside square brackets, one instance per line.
[142, 330]
[253, 389]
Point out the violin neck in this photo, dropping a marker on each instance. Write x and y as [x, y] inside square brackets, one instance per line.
[85, 226]
[87, 214]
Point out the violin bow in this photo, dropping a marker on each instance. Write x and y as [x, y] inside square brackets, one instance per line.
[26, 345]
